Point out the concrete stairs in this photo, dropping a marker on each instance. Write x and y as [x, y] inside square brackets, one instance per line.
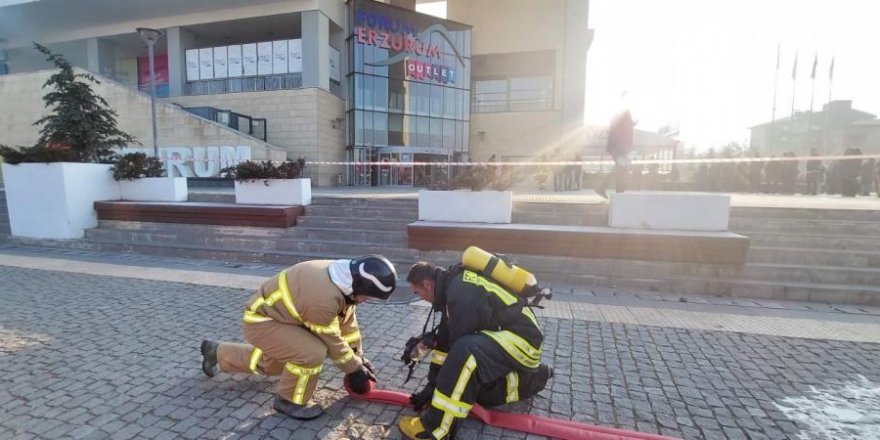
[834, 257]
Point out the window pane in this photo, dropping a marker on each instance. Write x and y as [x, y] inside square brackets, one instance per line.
[436, 133]
[380, 129]
[424, 133]
[436, 101]
[449, 135]
[359, 127]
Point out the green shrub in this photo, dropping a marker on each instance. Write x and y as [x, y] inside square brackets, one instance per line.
[264, 170]
[476, 178]
[14, 156]
[134, 166]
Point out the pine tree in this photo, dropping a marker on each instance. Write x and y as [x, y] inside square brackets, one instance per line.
[80, 119]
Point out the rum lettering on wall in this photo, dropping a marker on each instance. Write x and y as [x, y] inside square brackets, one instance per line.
[197, 161]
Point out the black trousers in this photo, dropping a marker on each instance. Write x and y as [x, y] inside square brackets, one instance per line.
[477, 369]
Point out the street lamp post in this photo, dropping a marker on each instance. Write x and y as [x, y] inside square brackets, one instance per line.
[150, 37]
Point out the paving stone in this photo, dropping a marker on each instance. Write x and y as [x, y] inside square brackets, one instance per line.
[137, 374]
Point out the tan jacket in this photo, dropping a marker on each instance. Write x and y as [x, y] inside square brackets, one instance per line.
[309, 299]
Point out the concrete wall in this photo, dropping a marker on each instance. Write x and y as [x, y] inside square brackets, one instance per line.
[521, 26]
[176, 127]
[299, 121]
[523, 134]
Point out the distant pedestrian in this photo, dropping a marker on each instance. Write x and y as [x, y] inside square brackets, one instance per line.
[620, 144]
[814, 173]
[868, 176]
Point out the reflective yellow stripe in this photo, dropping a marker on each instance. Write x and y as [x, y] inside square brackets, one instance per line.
[438, 357]
[299, 370]
[531, 315]
[455, 399]
[331, 329]
[285, 295]
[512, 387]
[347, 356]
[506, 297]
[256, 354]
[446, 404]
[304, 374]
[352, 337]
[254, 317]
[516, 347]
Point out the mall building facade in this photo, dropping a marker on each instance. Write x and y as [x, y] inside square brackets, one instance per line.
[331, 80]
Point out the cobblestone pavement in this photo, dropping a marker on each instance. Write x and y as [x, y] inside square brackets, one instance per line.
[91, 356]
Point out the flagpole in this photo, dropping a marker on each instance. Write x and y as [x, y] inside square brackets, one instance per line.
[775, 88]
[812, 93]
[793, 89]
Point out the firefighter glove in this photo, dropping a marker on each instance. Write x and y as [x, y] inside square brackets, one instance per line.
[422, 398]
[359, 380]
[369, 366]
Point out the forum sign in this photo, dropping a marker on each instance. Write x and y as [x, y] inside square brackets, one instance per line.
[197, 161]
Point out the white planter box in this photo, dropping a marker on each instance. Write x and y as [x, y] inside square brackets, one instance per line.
[155, 189]
[274, 192]
[56, 200]
[466, 206]
[669, 210]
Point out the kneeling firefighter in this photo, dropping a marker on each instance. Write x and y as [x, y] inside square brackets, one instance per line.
[298, 318]
[486, 349]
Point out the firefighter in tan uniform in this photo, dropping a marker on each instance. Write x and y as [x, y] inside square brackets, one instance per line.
[300, 317]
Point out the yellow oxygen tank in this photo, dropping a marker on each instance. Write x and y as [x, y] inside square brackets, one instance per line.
[514, 278]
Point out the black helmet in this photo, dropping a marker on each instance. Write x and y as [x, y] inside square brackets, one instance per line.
[373, 275]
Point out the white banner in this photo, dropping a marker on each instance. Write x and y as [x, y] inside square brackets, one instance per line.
[264, 58]
[220, 70]
[249, 59]
[192, 65]
[279, 57]
[335, 60]
[294, 56]
[206, 63]
[234, 61]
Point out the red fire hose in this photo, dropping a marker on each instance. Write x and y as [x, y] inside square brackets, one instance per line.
[562, 429]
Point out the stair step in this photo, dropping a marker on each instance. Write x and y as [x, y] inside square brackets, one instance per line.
[814, 256]
[840, 242]
[388, 237]
[363, 212]
[347, 222]
[192, 229]
[371, 202]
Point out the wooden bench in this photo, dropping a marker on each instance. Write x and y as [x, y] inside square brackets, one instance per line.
[201, 213]
[582, 241]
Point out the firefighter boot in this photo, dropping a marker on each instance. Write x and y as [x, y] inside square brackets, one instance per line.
[308, 411]
[411, 427]
[209, 358]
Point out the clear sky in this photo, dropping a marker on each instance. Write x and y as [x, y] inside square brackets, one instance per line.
[709, 65]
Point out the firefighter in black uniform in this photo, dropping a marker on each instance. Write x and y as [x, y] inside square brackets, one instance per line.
[487, 349]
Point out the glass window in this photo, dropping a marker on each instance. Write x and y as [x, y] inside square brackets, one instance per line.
[449, 102]
[449, 134]
[529, 93]
[423, 138]
[368, 128]
[396, 95]
[395, 130]
[380, 93]
[359, 91]
[359, 127]
[380, 129]
[368, 93]
[436, 101]
[436, 133]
